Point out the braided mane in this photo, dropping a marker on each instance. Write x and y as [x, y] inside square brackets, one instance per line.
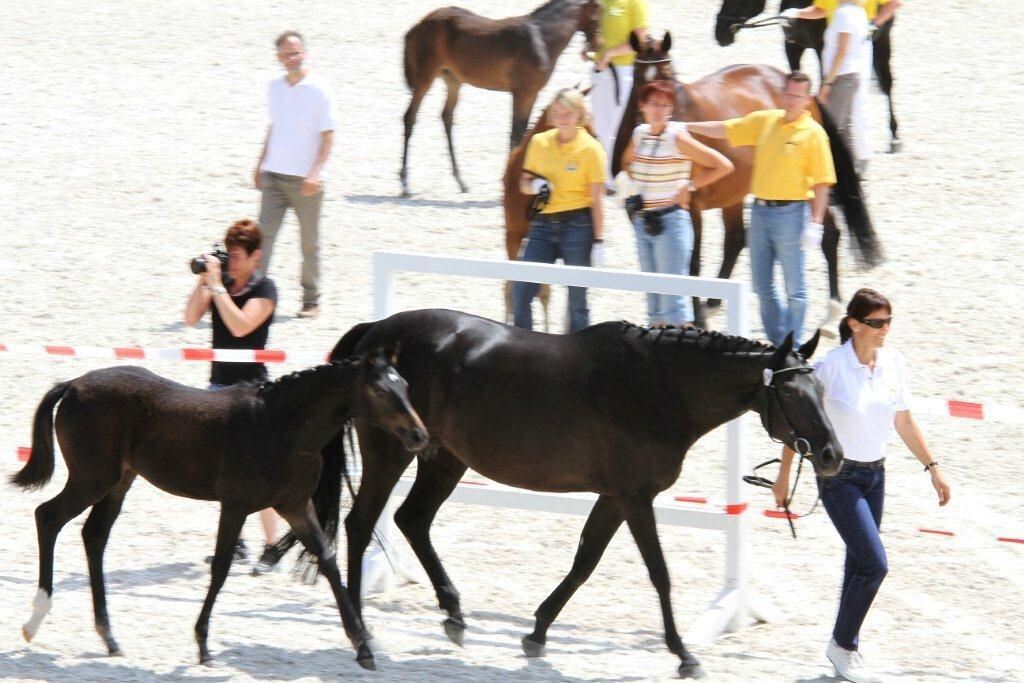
[725, 344]
[270, 387]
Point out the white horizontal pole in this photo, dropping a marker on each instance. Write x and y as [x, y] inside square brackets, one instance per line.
[544, 273]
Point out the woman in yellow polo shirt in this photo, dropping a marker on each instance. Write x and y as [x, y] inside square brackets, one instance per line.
[569, 164]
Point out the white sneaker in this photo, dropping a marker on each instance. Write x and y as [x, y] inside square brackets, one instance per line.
[850, 665]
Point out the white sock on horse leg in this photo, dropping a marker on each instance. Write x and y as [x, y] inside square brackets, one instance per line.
[40, 608]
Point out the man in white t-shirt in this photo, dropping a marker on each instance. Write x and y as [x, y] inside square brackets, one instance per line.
[290, 167]
[841, 61]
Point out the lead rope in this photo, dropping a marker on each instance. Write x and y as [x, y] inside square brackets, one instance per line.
[763, 482]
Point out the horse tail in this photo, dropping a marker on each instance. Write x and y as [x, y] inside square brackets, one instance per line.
[39, 469]
[847, 193]
[346, 346]
[412, 40]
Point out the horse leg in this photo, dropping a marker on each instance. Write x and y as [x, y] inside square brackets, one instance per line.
[793, 54]
[640, 518]
[410, 121]
[882, 58]
[384, 460]
[95, 533]
[435, 480]
[604, 520]
[830, 248]
[51, 517]
[231, 520]
[307, 529]
[699, 312]
[735, 240]
[448, 117]
[522, 106]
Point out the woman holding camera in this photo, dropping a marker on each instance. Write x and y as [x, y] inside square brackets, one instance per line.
[241, 303]
[567, 164]
[867, 394]
[667, 165]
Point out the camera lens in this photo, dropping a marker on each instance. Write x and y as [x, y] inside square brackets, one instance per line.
[198, 265]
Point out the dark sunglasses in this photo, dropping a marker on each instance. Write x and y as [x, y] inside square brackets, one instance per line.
[876, 323]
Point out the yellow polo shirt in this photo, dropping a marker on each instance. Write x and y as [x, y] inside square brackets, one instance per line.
[571, 167]
[789, 158]
[830, 7]
[619, 18]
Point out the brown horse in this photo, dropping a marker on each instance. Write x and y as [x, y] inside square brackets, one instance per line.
[515, 55]
[729, 93]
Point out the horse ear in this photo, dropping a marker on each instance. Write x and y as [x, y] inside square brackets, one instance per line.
[808, 348]
[666, 42]
[780, 353]
[634, 42]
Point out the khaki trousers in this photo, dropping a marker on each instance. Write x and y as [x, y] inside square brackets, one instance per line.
[279, 193]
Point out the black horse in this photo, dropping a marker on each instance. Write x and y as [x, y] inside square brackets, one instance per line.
[250, 447]
[611, 409]
[804, 34]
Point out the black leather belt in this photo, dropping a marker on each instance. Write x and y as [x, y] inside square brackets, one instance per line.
[663, 210]
[857, 464]
[562, 215]
[777, 202]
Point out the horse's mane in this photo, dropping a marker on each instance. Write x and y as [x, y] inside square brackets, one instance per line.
[550, 5]
[270, 387]
[724, 344]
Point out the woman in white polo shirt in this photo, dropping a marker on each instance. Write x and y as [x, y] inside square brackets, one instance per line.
[866, 392]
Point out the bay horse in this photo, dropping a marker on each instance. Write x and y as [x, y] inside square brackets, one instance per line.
[250, 447]
[611, 409]
[515, 54]
[809, 34]
[733, 92]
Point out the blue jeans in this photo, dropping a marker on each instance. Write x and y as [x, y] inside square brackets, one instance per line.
[571, 240]
[669, 253]
[853, 500]
[774, 235]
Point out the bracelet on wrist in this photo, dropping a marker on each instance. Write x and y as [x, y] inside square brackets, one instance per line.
[598, 240]
[933, 463]
[218, 290]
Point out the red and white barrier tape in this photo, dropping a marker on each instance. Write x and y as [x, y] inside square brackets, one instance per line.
[173, 354]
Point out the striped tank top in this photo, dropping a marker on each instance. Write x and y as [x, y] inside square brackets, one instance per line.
[659, 169]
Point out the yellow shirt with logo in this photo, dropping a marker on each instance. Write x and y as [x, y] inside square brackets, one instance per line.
[619, 18]
[830, 7]
[789, 158]
[571, 167]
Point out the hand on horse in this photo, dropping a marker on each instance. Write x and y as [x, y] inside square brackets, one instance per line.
[810, 238]
[780, 489]
[310, 186]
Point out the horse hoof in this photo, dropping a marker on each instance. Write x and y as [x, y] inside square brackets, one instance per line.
[463, 189]
[406, 194]
[455, 630]
[714, 303]
[532, 648]
[895, 146]
[114, 650]
[367, 662]
[694, 670]
[207, 661]
[26, 635]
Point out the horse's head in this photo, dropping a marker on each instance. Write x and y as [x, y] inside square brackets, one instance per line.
[792, 407]
[589, 20]
[382, 399]
[732, 15]
[653, 62]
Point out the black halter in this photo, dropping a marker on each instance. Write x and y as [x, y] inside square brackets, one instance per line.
[770, 399]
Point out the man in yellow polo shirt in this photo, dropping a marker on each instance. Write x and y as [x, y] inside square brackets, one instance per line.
[792, 164]
[613, 69]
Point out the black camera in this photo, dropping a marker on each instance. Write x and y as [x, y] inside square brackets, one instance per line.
[539, 202]
[198, 265]
[634, 205]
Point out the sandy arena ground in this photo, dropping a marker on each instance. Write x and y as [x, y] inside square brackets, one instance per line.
[128, 132]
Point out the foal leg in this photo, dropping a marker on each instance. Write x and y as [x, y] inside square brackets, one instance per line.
[830, 248]
[409, 121]
[522, 105]
[882, 58]
[435, 481]
[95, 534]
[640, 518]
[231, 521]
[604, 520]
[51, 517]
[307, 529]
[448, 118]
[699, 310]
